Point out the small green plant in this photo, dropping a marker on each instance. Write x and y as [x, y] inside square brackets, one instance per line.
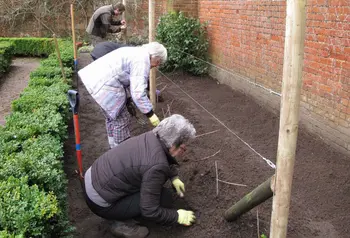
[263, 236]
[186, 42]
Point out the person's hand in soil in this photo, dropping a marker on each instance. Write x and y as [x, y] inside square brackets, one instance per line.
[179, 186]
[186, 218]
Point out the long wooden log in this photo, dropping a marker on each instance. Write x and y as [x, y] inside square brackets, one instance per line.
[259, 195]
[289, 116]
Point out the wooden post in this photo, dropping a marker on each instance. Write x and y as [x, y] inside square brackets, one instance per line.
[125, 30]
[152, 77]
[73, 30]
[259, 195]
[290, 101]
[74, 42]
[59, 57]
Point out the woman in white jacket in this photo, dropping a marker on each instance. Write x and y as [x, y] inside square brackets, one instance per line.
[107, 78]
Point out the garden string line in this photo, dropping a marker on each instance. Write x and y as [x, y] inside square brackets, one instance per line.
[233, 74]
[269, 162]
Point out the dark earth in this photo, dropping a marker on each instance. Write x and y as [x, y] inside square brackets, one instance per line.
[320, 204]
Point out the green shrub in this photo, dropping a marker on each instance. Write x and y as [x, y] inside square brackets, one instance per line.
[40, 121]
[42, 81]
[183, 37]
[40, 161]
[31, 148]
[6, 53]
[24, 209]
[5, 234]
[66, 52]
[31, 46]
[53, 98]
[50, 72]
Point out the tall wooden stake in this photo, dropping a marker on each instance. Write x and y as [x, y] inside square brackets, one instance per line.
[74, 43]
[290, 101]
[59, 57]
[73, 30]
[152, 77]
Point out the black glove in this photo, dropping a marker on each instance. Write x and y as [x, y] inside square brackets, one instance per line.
[131, 107]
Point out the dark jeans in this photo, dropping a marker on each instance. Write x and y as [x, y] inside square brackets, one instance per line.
[127, 207]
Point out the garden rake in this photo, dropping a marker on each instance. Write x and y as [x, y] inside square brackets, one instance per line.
[73, 98]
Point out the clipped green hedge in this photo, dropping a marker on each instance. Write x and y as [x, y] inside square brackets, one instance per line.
[51, 97]
[6, 52]
[31, 46]
[38, 161]
[50, 72]
[33, 198]
[42, 81]
[66, 49]
[25, 208]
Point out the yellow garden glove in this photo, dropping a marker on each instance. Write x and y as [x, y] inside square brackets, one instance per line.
[186, 218]
[154, 120]
[179, 186]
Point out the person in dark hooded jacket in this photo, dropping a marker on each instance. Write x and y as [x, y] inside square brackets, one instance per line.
[102, 22]
[128, 181]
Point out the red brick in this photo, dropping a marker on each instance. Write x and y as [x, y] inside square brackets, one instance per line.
[345, 102]
[338, 2]
[325, 88]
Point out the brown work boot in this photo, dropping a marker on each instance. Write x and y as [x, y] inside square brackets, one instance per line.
[128, 229]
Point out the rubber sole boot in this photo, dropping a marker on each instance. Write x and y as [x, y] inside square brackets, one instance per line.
[128, 230]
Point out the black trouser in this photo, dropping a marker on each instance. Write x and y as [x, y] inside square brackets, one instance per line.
[127, 207]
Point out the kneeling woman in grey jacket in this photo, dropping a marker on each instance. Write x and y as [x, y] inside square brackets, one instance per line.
[127, 181]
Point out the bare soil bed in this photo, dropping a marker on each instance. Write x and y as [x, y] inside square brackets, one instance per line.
[13, 83]
[321, 188]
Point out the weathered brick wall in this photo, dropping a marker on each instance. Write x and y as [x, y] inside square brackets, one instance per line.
[138, 19]
[247, 37]
[189, 7]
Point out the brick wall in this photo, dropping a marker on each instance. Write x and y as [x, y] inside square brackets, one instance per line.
[247, 37]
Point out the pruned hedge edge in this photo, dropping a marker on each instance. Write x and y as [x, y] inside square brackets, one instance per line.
[32, 180]
[6, 53]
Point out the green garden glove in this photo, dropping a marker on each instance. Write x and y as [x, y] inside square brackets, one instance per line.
[186, 218]
[179, 186]
[154, 120]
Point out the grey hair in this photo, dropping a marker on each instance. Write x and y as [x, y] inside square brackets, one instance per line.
[157, 50]
[175, 130]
